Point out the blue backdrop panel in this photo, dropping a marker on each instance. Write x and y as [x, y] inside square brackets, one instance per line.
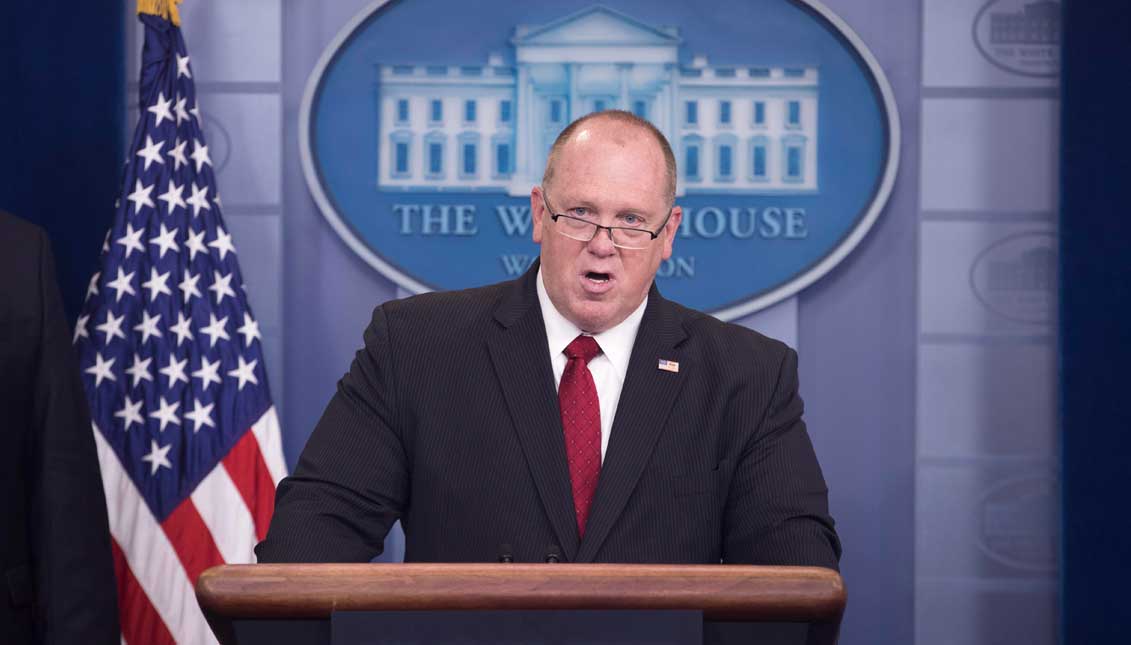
[61, 95]
[1095, 344]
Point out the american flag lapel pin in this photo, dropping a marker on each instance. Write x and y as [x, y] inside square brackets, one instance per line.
[668, 366]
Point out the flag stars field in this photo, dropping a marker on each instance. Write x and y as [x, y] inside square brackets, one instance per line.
[222, 287]
[112, 327]
[141, 196]
[151, 153]
[121, 284]
[139, 370]
[173, 196]
[102, 369]
[158, 457]
[174, 371]
[160, 109]
[156, 284]
[131, 240]
[188, 286]
[195, 244]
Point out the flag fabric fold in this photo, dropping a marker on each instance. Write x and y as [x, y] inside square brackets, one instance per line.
[172, 363]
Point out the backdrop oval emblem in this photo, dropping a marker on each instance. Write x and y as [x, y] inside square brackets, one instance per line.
[1020, 36]
[1019, 527]
[425, 125]
[1015, 277]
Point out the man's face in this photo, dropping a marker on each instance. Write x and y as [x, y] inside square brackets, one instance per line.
[609, 172]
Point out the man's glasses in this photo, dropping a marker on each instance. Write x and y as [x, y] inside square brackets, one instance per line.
[583, 230]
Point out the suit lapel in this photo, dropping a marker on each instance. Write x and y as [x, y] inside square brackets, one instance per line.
[645, 402]
[522, 362]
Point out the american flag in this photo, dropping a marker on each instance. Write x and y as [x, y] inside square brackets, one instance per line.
[187, 436]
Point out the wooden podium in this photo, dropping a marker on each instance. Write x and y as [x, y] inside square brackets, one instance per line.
[724, 593]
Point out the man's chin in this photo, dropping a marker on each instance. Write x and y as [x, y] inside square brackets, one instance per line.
[594, 316]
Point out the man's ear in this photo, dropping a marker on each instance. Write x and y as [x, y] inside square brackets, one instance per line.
[670, 229]
[537, 212]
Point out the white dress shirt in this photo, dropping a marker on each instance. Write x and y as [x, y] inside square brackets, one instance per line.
[608, 368]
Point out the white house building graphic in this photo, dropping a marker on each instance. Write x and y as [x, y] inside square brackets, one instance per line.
[735, 128]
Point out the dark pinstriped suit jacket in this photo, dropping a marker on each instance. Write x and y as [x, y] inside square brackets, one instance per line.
[448, 420]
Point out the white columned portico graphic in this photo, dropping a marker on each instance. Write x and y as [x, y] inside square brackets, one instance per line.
[739, 129]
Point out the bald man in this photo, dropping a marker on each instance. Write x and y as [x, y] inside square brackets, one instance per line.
[573, 414]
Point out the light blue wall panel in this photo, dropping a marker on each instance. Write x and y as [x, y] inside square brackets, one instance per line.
[956, 612]
[234, 41]
[983, 277]
[951, 55]
[987, 519]
[987, 538]
[244, 134]
[996, 398]
[989, 155]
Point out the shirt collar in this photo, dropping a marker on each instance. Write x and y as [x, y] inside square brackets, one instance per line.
[616, 343]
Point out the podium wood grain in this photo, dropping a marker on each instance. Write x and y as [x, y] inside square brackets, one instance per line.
[722, 592]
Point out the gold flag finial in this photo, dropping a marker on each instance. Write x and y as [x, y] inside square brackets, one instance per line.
[166, 9]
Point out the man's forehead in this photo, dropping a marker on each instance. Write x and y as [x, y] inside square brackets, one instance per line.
[600, 131]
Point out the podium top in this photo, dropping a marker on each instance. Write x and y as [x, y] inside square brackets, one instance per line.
[721, 592]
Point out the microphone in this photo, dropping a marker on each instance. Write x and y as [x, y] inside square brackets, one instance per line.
[506, 556]
[553, 554]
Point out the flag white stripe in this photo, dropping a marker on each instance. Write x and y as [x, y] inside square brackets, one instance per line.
[148, 551]
[271, 444]
[226, 515]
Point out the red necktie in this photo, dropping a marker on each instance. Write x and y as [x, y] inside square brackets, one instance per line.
[581, 422]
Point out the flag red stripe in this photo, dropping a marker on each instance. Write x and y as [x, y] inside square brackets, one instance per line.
[140, 622]
[191, 540]
[248, 470]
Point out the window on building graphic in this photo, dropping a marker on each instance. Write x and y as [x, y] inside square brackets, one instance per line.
[640, 109]
[793, 117]
[437, 113]
[691, 115]
[504, 111]
[598, 105]
[401, 166]
[759, 160]
[793, 162]
[434, 155]
[556, 112]
[469, 153]
[759, 113]
[469, 111]
[726, 154]
[724, 112]
[435, 158]
[724, 157]
[402, 111]
[793, 149]
[502, 158]
[468, 159]
[691, 149]
[401, 162]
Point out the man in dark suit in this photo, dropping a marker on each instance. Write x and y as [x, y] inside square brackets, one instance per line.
[573, 414]
[54, 539]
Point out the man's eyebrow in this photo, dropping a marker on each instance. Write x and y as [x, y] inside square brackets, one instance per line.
[575, 202]
[639, 212]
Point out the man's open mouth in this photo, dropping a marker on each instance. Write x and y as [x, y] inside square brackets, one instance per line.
[597, 277]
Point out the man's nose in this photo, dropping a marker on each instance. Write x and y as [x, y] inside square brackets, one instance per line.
[602, 243]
